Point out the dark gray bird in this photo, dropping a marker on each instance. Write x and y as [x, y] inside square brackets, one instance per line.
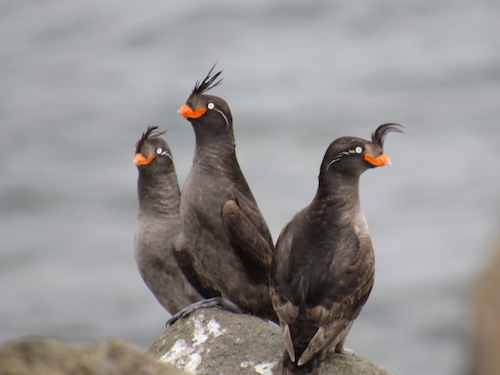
[166, 271]
[323, 266]
[222, 224]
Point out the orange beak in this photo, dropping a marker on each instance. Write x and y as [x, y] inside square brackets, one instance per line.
[187, 112]
[141, 160]
[379, 161]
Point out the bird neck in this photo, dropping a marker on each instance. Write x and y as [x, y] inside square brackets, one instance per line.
[213, 134]
[215, 150]
[338, 197]
[159, 194]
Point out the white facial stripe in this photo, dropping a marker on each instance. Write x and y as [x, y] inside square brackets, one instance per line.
[161, 151]
[357, 150]
[225, 118]
[333, 161]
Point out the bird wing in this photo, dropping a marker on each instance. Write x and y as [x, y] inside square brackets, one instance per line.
[287, 312]
[249, 237]
[186, 262]
[353, 284]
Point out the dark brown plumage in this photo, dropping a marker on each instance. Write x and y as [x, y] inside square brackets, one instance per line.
[168, 272]
[323, 266]
[222, 224]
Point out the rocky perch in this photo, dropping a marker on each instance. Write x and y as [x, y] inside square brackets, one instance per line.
[214, 341]
[53, 357]
[210, 341]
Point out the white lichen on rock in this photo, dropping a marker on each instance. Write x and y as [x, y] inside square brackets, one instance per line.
[199, 331]
[180, 350]
[265, 368]
[183, 356]
[189, 357]
[192, 363]
[246, 364]
[214, 342]
[214, 328]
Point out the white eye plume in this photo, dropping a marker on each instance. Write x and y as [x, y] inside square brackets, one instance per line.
[357, 150]
[212, 106]
[163, 152]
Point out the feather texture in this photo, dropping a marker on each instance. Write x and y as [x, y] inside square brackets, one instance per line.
[150, 132]
[208, 83]
[323, 269]
[378, 136]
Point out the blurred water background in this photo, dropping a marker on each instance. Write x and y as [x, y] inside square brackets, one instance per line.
[81, 80]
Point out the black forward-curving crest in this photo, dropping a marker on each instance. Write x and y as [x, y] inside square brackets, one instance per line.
[379, 135]
[150, 132]
[207, 83]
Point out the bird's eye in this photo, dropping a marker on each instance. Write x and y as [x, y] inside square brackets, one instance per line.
[358, 150]
[211, 105]
[159, 151]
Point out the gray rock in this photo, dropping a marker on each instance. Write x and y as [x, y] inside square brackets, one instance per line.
[54, 357]
[214, 341]
[486, 320]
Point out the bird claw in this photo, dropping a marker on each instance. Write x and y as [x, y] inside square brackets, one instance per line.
[219, 302]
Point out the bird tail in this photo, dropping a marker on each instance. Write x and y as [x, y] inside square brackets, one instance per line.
[312, 367]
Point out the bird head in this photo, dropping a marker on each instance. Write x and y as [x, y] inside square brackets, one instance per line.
[207, 113]
[352, 155]
[152, 147]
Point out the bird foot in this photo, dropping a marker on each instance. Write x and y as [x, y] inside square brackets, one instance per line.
[219, 302]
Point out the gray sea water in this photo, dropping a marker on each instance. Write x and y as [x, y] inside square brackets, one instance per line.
[81, 80]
